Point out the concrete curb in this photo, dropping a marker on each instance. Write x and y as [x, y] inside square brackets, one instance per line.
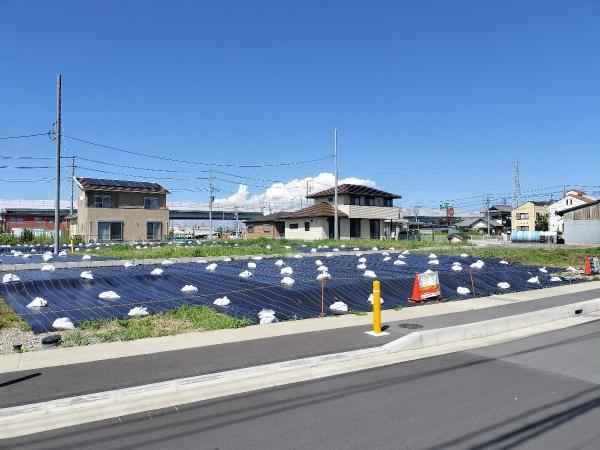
[441, 336]
[43, 416]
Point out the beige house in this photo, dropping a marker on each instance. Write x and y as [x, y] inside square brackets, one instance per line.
[116, 210]
[524, 217]
[363, 213]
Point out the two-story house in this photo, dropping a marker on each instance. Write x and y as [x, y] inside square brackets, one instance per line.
[363, 213]
[572, 198]
[116, 210]
[525, 216]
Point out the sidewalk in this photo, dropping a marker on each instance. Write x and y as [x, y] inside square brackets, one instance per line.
[49, 375]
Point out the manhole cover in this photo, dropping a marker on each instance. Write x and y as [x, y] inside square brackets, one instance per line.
[410, 325]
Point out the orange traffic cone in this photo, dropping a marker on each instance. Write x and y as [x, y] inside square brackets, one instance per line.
[588, 266]
[416, 293]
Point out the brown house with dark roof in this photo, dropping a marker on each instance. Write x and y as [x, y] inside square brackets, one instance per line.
[119, 210]
[271, 226]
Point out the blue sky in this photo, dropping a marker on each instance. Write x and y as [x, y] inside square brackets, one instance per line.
[433, 99]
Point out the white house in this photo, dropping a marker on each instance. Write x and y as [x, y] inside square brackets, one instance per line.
[572, 198]
[582, 224]
[363, 213]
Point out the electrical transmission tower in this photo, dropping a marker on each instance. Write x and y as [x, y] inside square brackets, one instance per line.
[517, 183]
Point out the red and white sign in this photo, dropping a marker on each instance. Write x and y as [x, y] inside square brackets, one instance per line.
[429, 285]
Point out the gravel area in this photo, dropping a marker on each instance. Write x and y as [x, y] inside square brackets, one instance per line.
[30, 341]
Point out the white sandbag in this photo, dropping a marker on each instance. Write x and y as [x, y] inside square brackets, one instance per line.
[534, 280]
[463, 290]
[287, 271]
[267, 316]
[86, 257]
[456, 268]
[401, 256]
[374, 249]
[211, 267]
[338, 308]
[555, 279]
[26, 256]
[62, 253]
[37, 302]
[138, 311]
[287, 247]
[48, 268]
[370, 299]
[503, 262]
[358, 255]
[288, 281]
[336, 249]
[571, 269]
[328, 255]
[279, 263]
[464, 255]
[226, 259]
[129, 264]
[268, 319]
[356, 249]
[478, 264]
[503, 285]
[361, 266]
[428, 271]
[222, 301]
[387, 258]
[432, 256]
[433, 262]
[202, 261]
[543, 270]
[86, 275]
[257, 258]
[399, 262]
[245, 274]
[322, 269]
[313, 250]
[385, 254]
[157, 271]
[369, 274]
[251, 265]
[318, 262]
[167, 262]
[189, 288]
[324, 276]
[109, 295]
[47, 257]
[63, 323]
[362, 260]
[298, 256]
[343, 246]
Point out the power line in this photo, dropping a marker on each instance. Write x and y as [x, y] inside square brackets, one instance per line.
[147, 155]
[25, 157]
[47, 133]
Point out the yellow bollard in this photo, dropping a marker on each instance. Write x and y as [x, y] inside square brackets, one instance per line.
[376, 307]
[72, 246]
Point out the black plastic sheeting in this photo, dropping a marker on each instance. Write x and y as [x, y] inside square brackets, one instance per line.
[70, 296]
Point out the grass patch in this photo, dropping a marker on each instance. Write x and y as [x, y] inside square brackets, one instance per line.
[356, 312]
[251, 247]
[180, 320]
[10, 319]
[552, 257]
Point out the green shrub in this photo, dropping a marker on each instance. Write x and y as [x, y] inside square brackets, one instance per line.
[27, 236]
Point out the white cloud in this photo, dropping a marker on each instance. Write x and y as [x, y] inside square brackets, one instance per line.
[284, 196]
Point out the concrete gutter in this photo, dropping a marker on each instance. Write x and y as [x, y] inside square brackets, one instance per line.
[43, 416]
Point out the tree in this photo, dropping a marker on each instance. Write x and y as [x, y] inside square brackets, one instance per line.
[541, 223]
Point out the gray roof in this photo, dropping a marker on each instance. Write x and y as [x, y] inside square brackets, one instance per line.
[469, 222]
[504, 208]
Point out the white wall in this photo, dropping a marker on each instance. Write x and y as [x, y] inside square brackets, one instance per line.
[581, 231]
[370, 212]
[555, 222]
[319, 229]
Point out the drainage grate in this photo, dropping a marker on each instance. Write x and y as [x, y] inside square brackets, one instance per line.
[410, 325]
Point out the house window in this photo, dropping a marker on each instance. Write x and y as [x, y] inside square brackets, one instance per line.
[266, 227]
[355, 200]
[522, 216]
[306, 226]
[369, 201]
[293, 226]
[154, 231]
[110, 231]
[250, 228]
[102, 201]
[17, 219]
[388, 202]
[354, 228]
[330, 199]
[522, 228]
[38, 219]
[150, 203]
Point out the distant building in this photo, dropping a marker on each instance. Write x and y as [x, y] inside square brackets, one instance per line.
[525, 216]
[39, 221]
[271, 226]
[582, 223]
[363, 212]
[480, 224]
[117, 210]
[500, 214]
[572, 198]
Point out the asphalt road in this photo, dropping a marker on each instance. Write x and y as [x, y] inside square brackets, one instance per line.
[17, 388]
[542, 392]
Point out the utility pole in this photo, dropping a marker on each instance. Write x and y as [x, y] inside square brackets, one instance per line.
[416, 209]
[336, 231]
[58, 133]
[72, 193]
[211, 189]
[487, 208]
